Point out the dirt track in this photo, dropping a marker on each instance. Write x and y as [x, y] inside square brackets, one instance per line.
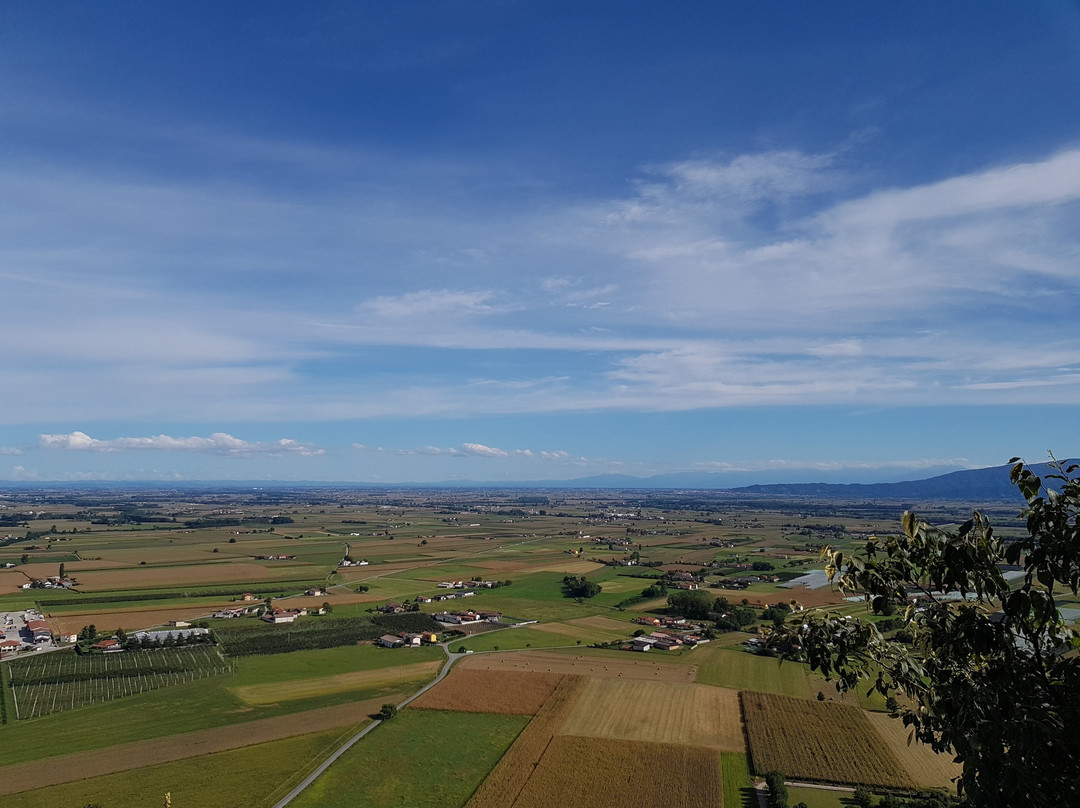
[80, 765]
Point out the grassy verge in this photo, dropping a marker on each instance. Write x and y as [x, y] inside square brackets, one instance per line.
[738, 785]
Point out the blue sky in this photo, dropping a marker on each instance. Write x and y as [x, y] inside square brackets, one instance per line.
[428, 241]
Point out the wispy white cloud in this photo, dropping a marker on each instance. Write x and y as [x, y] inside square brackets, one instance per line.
[220, 443]
[479, 450]
[10, 451]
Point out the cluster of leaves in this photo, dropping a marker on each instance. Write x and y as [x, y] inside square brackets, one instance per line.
[992, 676]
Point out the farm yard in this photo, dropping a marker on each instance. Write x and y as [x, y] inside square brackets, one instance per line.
[64, 681]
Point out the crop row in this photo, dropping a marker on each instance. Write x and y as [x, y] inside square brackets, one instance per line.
[63, 681]
[506, 781]
[326, 632]
[821, 741]
[583, 772]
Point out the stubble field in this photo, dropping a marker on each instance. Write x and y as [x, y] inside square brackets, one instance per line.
[471, 690]
[697, 715]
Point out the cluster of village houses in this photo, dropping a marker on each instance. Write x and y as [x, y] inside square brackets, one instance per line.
[677, 632]
[52, 582]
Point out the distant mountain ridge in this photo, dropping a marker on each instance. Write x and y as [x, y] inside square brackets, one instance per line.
[987, 484]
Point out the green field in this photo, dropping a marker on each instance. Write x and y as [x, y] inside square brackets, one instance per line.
[422, 759]
[738, 784]
[239, 778]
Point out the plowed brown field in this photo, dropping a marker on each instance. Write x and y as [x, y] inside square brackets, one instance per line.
[129, 619]
[635, 666]
[482, 691]
[696, 715]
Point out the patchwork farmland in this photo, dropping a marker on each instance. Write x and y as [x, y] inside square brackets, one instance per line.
[551, 708]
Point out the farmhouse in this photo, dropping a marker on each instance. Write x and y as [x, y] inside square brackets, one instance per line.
[109, 646]
[390, 641]
[391, 608]
[281, 615]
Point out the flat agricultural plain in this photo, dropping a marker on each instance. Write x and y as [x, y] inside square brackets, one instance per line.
[471, 690]
[635, 710]
[585, 772]
[633, 666]
[818, 740]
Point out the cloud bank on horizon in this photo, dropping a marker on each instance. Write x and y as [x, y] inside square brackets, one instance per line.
[839, 242]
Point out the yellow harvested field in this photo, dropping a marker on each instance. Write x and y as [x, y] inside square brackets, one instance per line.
[572, 566]
[501, 566]
[128, 619]
[603, 624]
[633, 667]
[633, 710]
[503, 785]
[172, 554]
[147, 577]
[10, 579]
[818, 740]
[926, 767]
[33, 774]
[274, 692]
[480, 691]
[562, 629]
[586, 772]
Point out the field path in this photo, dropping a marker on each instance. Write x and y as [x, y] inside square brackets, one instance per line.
[124, 757]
